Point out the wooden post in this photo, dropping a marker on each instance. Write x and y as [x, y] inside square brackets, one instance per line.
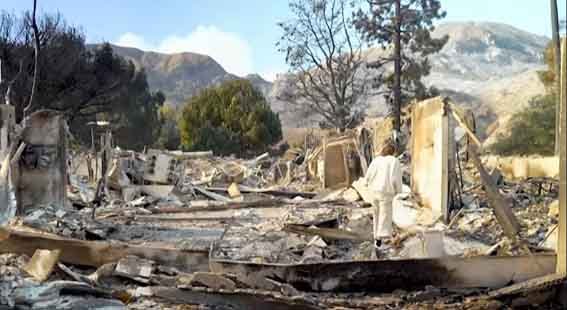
[345, 164]
[324, 179]
[562, 233]
[95, 153]
[557, 64]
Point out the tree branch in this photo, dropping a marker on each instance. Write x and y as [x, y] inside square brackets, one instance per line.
[36, 59]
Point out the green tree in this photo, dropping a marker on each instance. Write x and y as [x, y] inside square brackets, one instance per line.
[135, 115]
[169, 132]
[532, 130]
[403, 29]
[233, 118]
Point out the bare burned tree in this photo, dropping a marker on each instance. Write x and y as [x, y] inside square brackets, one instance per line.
[8, 95]
[326, 63]
[36, 57]
[7, 28]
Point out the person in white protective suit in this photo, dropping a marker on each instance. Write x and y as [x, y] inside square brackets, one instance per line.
[384, 179]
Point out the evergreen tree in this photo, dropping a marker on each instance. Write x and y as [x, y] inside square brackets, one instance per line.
[403, 29]
[233, 118]
[169, 132]
[531, 131]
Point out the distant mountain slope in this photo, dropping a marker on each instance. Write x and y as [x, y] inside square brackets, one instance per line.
[488, 67]
[486, 51]
[264, 86]
[183, 75]
[494, 65]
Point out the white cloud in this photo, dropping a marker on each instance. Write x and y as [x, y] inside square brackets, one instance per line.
[228, 49]
[130, 39]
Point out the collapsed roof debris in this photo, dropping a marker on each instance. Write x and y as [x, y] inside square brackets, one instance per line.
[115, 229]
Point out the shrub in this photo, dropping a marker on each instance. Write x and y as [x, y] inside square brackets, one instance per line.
[233, 118]
[532, 131]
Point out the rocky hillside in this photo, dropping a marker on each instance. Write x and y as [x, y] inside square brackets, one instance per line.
[489, 67]
[183, 75]
[264, 86]
[485, 52]
[481, 59]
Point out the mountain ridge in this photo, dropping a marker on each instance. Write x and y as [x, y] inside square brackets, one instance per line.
[486, 66]
[476, 67]
[182, 75]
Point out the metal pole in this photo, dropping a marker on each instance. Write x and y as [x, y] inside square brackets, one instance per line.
[557, 52]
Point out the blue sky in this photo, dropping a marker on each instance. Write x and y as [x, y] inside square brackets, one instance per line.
[240, 34]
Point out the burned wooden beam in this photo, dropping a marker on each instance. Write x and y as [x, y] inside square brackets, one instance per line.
[241, 299]
[216, 219]
[206, 206]
[212, 206]
[326, 233]
[189, 155]
[210, 194]
[461, 120]
[529, 286]
[389, 275]
[502, 211]
[248, 190]
[98, 253]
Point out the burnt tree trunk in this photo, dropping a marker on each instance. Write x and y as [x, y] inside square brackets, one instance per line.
[397, 102]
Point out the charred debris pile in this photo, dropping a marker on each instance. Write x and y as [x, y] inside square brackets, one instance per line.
[111, 228]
